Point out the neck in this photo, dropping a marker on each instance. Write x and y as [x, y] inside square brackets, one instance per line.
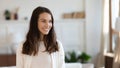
[42, 36]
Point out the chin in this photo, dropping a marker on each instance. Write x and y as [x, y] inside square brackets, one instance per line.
[45, 33]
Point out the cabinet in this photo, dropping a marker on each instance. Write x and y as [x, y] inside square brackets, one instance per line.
[109, 60]
[7, 60]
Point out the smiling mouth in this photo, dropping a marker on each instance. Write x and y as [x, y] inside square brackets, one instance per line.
[46, 29]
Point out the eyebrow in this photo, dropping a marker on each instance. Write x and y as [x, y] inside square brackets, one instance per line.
[45, 19]
[42, 19]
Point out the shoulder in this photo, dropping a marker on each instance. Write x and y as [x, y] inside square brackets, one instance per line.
[59, 43]
[19, 47]
[60, 46]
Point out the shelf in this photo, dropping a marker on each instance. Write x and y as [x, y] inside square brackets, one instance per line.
[70, 20]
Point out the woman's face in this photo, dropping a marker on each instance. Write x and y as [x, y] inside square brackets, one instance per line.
[44, 23]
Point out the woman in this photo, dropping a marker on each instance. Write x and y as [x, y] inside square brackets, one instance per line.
[41, 49]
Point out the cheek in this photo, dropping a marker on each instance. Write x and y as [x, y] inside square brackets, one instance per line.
[51, 25]
[39, 27]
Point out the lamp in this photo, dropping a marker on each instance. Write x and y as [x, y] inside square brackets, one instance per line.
[116, 63]
[14, 39]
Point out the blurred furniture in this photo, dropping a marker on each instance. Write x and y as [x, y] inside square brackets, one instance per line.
[73, 65]
[79, 65]
[7, 60]
[88, 65]
[109, 60]
[11, 34]
[10, 60]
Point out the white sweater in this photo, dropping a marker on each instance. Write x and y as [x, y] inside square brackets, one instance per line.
[42, 59]
[24, 61]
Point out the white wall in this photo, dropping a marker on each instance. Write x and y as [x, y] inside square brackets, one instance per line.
[115, 12]
[93, 27]
[71, 34]
[26, 7]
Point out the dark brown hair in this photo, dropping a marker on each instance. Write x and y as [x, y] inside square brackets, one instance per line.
[31, 45]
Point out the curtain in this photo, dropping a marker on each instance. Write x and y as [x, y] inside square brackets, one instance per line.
[116, 63]
[105, 38]
[100, 61]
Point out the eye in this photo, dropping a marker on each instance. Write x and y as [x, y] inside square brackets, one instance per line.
[42, 21]
[50, 21]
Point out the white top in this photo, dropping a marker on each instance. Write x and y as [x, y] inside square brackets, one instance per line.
[25, 61]
[43, 59]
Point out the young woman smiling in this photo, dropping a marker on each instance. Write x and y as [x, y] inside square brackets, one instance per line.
[41, 49]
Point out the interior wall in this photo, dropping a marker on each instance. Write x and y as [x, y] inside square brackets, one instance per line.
[93, 27]
[58, 7]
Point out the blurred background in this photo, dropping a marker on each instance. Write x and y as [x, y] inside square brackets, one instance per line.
[85, 28]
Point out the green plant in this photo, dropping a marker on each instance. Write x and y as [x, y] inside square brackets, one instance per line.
[84, 57]
[71, 57]
[7, 14]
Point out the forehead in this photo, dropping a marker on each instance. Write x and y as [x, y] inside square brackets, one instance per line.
[45, 15]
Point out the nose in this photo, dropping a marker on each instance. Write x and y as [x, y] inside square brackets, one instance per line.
[47, 24]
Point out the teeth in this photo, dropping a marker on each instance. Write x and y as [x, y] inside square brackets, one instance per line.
[46, 29]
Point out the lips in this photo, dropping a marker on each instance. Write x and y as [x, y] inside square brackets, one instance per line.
[46, 30]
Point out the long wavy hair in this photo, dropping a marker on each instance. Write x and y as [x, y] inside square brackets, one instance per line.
[31, 44]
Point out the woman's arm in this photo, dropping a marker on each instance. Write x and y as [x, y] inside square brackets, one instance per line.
[61, 56]
[19, 57]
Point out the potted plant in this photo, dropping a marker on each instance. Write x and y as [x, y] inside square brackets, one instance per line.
[7, 14]
[75, 60]
[71, 60]
[71, 57]
[84, 57]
